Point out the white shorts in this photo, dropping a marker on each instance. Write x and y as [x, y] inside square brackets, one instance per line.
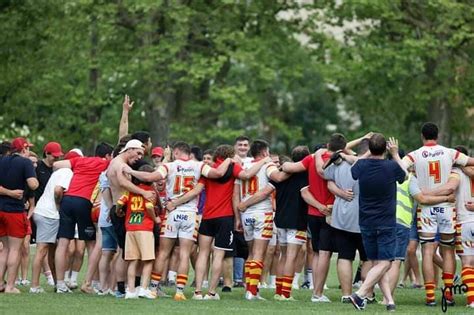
[465, 239]
[180, 224]
[434, 219]
[291, 236]
[257, 225]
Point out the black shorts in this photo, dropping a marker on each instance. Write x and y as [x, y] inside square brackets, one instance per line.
[76, 210]
[322, 234]
[221, 229]
[119, 228]
[348, 243]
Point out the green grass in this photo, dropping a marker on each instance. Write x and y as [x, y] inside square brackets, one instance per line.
[409, 301]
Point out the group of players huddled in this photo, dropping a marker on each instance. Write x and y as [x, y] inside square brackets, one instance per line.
[144, 214]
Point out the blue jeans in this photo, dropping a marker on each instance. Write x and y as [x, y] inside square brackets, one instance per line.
[238, 269]
[379, 243]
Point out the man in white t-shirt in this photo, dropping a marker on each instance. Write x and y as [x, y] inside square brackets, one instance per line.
[46, 217]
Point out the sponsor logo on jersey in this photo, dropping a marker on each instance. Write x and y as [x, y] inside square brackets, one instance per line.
[180, 217]
[249, 221]
[427, 154]
[436, 210]
[186, 170]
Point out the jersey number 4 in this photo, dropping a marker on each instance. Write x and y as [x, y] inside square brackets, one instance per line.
[183, 184]
[434, 170]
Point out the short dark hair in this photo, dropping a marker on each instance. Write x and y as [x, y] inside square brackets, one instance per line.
[143, 168]
[377, 144]
[258, 146]
[197, 151]
[5, 148]
[319, 146]
[299, 153]
[208, 152]
[223, 152]
[284, 159]
[242, 138]
[337, 142]
[429, 131]
[102, 149]
[461, 149]
[182, 146]
[143, 136]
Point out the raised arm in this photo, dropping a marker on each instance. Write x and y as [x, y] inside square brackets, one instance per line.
[354, 143]
[193, 193]
[392, 145]
[260, 195]
[126, 107]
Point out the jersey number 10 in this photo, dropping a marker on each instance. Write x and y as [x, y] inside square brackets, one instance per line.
[250, 186]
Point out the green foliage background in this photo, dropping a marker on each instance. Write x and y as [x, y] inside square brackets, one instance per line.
[205, 71]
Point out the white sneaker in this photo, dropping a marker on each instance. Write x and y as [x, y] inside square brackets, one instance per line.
[197, 297]
[470, 305]
[18, 282]
[25, 282]
[146, 294]
[72, 285]
[205, 284]
[326, 287]
[320, 299]
[260, 298]
[51, 282]
[63, 289]
[262, 285]
[131, 295]
[249, 296]
[212, 297]
[37, 290]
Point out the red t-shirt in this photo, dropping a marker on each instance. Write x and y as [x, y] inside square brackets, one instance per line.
[136, 215]
[86, 174]
[318, 186]
[219, 195]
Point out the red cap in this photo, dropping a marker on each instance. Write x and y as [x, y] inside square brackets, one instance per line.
[53, 148]
[19, 144]
[157, 151]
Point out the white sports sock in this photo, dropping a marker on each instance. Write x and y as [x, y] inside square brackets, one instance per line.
[296, 278]
[310, 276]
[273, 280]
[67, 275]
[172, 275]
[74, 275]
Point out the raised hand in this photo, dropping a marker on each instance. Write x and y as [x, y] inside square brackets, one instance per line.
[392, 146]
[127, 106]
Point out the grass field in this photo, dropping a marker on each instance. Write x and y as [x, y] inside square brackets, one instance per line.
[409, 301]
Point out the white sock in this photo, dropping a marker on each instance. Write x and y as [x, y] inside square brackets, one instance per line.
[74, 275]
[172, 275]
[67, 275]
[273, 279]
[310, 276]
[296, 278]
[95, 284]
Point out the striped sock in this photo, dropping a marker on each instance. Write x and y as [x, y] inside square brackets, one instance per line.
[255, 274]
[430, 291]
[467, 276]
[279, 284]
[247, 267]
[286, 287]
[181, 280]
[448, 279]
[155, 279]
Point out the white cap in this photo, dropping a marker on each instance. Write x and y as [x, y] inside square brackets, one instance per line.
[132, 144]
[78, 151]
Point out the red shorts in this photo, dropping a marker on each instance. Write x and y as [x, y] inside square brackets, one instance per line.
[14, 224]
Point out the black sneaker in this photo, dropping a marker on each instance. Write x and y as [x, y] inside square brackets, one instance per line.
[430, 303]
[391, 307]
[358, 302]
[239, 284]
[226, 289]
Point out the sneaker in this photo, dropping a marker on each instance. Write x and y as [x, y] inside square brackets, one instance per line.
[320, 299]
[72, 285]
[239, 284]
[215, 297]
[179, 297]
[51, 282]
[358, 302]
[18, 282]
[326, 287]
[470, 305]
[430, 303]
[249, 296]
[25, 282]
[371, 299]
[226, 289]
[288, 299]
[278, 297]
[260, 298]
[37, 290]
[346, 299]
[131, 295]
[63, 289]
[305, 285]
[197, 296]
[401, 286]
[102, 292]
[416, 286]
[146, 294]
[119, 295]
[391, 307]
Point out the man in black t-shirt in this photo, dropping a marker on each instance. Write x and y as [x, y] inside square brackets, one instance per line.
[52, 151]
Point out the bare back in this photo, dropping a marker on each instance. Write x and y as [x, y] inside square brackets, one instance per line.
[115, 167]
